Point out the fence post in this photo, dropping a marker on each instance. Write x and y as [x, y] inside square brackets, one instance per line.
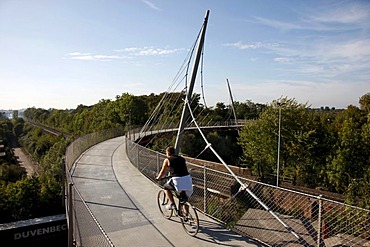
[70, 215]
[319, 222]
[205, 204]
[63, 164]
[138, 156]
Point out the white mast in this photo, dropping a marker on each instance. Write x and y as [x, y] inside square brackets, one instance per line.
[232, 102]
[185, 111]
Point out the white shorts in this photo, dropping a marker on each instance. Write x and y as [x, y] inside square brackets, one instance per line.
[183, 184]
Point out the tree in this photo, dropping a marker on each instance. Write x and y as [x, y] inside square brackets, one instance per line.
[365, 102]
[18, 129]
[15, 114]
[350, 159]
[259, 141]
[248, 109]
[12, 173]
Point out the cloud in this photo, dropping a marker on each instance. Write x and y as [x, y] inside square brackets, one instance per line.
[90, 57]
[78, 54]
[351, 49]
[277, 24]
[351, 13]
[131, 53]
[339, 94]
[148, 51]
[251, 45]
[151, 5]
[282, 59]
[336, 17]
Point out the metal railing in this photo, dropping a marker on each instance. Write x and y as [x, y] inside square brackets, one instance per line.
[301, 219]
[84, 229]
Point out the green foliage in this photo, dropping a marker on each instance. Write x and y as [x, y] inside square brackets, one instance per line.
[18, 127]
[37, 142]
[29, 198]
[248, 110]
[192, 144]
[12, 173]
[258, 144]
[25, 197]
[52, 161]
[326, 148]
[365, 103]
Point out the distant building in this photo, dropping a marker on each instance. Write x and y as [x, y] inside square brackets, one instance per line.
[9, 113]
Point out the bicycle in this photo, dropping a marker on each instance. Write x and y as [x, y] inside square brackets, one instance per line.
[189, 220]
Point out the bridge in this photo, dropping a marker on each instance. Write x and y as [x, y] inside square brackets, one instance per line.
[111, 202]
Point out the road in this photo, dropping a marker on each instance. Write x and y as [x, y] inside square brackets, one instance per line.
[23, 158]
[25, 161]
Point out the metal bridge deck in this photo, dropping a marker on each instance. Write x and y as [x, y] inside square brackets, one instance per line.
[124, 203]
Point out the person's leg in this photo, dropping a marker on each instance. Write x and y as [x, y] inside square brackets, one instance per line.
[187, 193]
[169, 196]
[186, 209]
[168, 187]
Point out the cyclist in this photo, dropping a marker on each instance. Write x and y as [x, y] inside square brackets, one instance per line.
[180, 178]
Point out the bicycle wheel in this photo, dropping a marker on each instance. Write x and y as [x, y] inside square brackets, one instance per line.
[162, 203]
[190, 222]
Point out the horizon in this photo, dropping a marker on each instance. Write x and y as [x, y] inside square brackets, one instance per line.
[58, 55]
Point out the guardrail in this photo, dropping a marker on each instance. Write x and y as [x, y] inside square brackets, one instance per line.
[317, 221]
[83, 228]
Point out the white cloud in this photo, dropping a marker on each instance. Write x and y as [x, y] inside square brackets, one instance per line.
[351, 13]
[277, 24]
[337, 94]
[331, 17]
[148, 51]
[251, 45]
[156, 51]
[131, 52]
[328, 57]
[282, 59]
[107, 57]
[78, 54]
[85, 57]
[131, 49]
[351, 49]
[90, 57]
[151, 5]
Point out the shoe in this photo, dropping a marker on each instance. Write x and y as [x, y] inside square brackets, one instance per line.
[171, 206]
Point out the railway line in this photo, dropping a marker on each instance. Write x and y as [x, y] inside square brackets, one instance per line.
[48, 129]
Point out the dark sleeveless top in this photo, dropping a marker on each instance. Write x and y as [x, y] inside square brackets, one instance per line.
[178, 166]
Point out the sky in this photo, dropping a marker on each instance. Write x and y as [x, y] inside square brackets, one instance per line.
[60, 54]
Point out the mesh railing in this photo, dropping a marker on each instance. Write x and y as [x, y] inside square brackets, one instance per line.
[273, 215]
[84, 228]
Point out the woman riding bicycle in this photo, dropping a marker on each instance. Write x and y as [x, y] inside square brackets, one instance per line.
[180, 178]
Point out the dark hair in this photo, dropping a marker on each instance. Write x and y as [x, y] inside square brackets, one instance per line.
[170, 150]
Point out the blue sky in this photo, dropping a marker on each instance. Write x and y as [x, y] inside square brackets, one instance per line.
[59, 54]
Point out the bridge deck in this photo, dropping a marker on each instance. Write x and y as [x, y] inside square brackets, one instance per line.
[124, 203]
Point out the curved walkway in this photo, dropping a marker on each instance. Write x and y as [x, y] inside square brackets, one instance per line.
[124, 203]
